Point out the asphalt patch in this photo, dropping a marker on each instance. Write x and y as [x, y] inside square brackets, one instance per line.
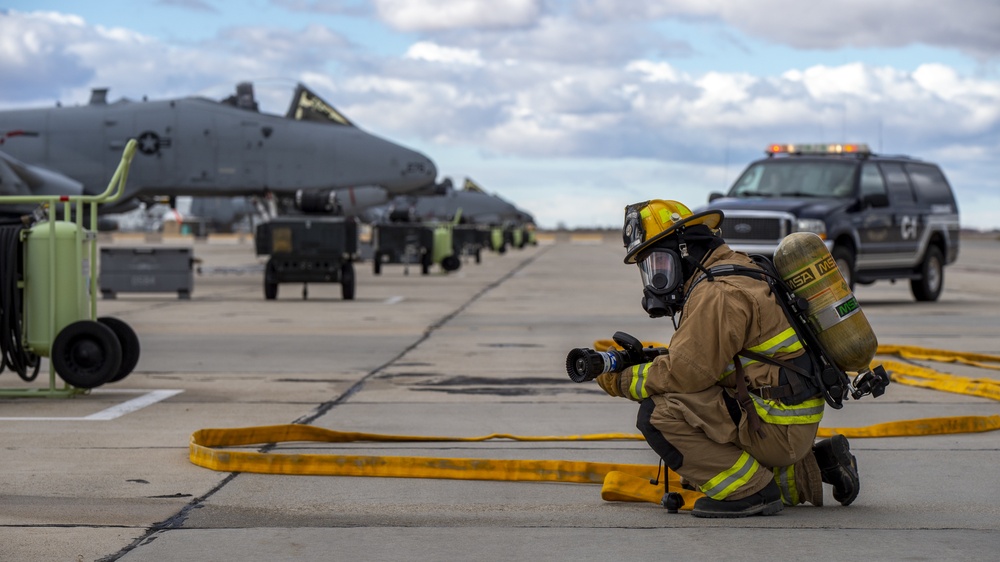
[515, 386]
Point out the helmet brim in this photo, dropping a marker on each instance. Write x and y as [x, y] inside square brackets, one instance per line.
[711, 219]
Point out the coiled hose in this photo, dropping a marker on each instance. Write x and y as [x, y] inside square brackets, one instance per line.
[12, 351]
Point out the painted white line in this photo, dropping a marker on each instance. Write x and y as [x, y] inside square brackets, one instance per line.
[118, 410]
[394, 300]
[132, 405]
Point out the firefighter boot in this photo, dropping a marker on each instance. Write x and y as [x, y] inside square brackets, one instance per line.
[838, 467]
[764, 502]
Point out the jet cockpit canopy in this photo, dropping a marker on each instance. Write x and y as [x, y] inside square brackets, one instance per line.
[306, 105]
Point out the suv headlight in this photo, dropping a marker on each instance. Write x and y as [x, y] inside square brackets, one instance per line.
[811, 225]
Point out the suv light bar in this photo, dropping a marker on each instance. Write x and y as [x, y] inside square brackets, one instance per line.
[859, 148]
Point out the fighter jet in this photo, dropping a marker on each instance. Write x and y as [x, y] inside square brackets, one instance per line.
[442, 202]
[201, 147]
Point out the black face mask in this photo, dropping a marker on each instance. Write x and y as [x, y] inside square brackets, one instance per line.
[663, 282]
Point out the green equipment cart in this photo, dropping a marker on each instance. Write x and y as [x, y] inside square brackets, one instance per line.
[48, 295]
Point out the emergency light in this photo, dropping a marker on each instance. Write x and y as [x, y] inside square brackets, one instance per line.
[857, 148]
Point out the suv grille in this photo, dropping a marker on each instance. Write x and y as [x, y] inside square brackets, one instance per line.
[742, 229]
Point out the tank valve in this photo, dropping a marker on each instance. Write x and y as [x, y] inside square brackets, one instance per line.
[870, 382]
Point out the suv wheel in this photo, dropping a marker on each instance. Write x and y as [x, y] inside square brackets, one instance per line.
[928, 286]
[844, 257]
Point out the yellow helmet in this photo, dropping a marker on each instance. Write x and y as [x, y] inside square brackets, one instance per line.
[649, 222]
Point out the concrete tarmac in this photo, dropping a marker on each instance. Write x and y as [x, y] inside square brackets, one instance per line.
[473, 352]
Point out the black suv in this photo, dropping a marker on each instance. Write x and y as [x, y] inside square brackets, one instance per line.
[883, 217]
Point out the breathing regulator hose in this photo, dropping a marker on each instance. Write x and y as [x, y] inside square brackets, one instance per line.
[12, 352]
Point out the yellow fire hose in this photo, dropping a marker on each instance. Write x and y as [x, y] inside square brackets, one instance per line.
[620, 482]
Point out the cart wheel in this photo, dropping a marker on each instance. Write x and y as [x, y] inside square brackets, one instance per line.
[86, 354]
[347, 281]
[130, 346]
[270, 285]
[451, 263]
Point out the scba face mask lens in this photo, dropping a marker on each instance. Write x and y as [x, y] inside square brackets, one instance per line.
[662, 282]
[661, 270]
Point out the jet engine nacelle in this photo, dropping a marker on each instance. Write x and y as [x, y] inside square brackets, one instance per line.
[349, 201]
[19, 178]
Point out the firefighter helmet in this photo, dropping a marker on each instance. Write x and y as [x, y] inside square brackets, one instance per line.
[649, 222]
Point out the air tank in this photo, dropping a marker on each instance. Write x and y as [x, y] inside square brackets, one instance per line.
[806, 265]
[55, 298]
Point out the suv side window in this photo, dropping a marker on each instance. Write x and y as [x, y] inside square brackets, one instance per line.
[930, 184]
[871, 180]
[900, 192]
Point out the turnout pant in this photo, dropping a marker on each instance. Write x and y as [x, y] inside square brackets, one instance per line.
[704, 438]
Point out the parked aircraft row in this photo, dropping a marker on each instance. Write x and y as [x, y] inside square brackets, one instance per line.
[233, 159]
[201, 147]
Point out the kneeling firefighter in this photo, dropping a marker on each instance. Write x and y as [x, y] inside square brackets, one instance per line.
[718, 407]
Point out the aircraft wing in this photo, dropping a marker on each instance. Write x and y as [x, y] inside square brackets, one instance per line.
[20, 178]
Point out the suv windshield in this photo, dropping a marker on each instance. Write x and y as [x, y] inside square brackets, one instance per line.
[796, 178]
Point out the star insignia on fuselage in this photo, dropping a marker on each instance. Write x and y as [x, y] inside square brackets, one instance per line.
[149, 143]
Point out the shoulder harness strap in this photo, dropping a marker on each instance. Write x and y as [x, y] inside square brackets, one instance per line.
[833, 382]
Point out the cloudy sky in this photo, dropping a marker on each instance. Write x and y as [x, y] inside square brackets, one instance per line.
[569, 108]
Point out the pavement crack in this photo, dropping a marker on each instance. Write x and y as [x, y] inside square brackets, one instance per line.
[174, 522]
[325, 407]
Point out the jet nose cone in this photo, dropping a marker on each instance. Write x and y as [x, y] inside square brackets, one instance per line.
[377, 161]
[417, 170]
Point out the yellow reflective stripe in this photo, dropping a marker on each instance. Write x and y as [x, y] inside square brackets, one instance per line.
[786, 341]
[810, 411]
[784, 477]
[646, 212]
[638, 386]
[783, 342]
[731, 479]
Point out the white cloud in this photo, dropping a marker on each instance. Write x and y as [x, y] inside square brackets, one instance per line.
[432, 52]
[969, 25]
[46, 57]
[654, 71]
[563, 40]
[434, 15]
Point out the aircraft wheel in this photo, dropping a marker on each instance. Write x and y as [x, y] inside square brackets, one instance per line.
[347, 281]
[130, 346]
[86, 354]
